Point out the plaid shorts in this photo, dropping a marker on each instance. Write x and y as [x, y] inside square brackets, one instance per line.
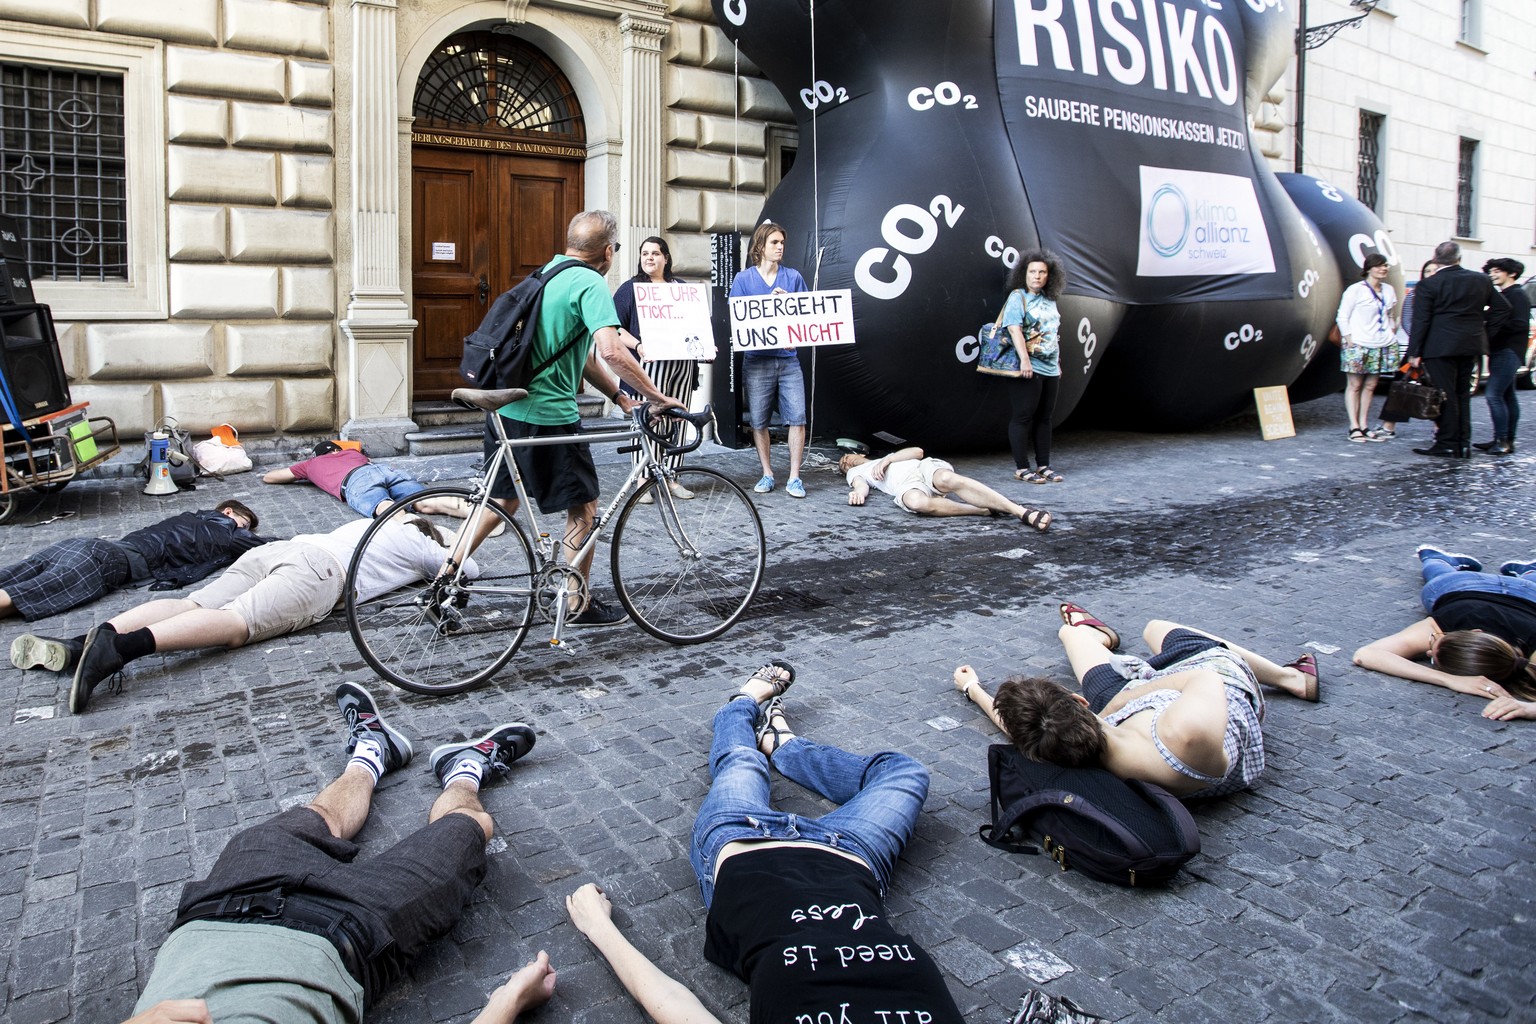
[65, 575]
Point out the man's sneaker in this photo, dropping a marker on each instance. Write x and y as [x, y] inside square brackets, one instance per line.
[32, 651]
[1428, 551]
[599, 614]
[497, 749]
[1507, 569]
[357, 706]
[98, 661]
[795, 489]
[764, 485]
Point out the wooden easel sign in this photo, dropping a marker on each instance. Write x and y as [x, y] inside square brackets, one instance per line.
[1274, 412]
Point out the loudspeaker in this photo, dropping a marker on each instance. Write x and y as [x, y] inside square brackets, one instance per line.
[15, 275]
[29, 360]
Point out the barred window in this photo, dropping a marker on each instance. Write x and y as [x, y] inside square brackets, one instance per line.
[63, 170]
[1466, 170]
[1368, 174]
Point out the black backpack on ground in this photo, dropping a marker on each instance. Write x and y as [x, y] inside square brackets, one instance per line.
[499, 352]
[1128, 833]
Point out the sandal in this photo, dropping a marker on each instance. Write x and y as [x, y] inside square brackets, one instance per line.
[1039, 518]
[1068, 610]
[766, 674]
[1047, 475]
[1356, 434]
[1307, 666]
[765, 726]
[1027, 476]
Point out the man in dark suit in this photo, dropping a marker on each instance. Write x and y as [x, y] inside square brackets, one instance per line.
[1453, 313]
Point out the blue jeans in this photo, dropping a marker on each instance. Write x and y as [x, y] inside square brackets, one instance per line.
[1503, 404]
[881, 796]
[1442, 578]
[368, 485]
[770, 377]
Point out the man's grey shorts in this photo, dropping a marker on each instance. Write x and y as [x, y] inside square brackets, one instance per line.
[277, 588]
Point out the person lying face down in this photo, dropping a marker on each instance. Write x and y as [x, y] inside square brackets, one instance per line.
[1187, 719]
[1475, 638]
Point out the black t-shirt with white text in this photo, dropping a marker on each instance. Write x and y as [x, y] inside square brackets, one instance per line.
[806, 930]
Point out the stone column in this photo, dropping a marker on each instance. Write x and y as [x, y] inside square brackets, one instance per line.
[640, 183]
[378, 327]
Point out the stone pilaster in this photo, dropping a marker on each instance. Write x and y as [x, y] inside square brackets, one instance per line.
[378, 325]
[640, 181]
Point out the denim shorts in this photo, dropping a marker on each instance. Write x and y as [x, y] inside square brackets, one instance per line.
[774, 377]
[368, 485]
[881, 796]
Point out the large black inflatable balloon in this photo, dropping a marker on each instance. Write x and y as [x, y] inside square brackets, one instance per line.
[938, 140]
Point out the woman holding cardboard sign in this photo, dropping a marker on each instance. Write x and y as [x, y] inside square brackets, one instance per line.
[1033, 322]
[773, 375]
[676, 377]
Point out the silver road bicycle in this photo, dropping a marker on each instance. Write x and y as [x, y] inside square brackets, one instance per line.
[684, 569]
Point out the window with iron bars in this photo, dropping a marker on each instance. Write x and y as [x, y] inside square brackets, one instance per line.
[1368, 173]
[63, 170]
[1466, 169]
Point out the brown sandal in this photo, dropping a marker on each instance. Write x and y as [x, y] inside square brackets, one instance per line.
[1068, 610]
[1039, 518]
[766, 674]
[1307, 666]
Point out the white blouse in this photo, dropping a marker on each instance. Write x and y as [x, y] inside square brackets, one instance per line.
[1366, 320]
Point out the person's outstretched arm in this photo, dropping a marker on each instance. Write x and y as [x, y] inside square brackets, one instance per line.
[968, 683]
[279, 476]
[1397, 655]
[664, 999]
[529, 987]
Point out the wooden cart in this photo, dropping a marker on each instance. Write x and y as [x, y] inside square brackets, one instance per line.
[62, 444]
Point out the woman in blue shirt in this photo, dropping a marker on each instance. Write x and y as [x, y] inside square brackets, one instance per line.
[774, 374]
[1034, 286]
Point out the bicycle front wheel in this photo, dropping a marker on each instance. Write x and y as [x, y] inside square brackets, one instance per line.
[452, 633]
[686, 570]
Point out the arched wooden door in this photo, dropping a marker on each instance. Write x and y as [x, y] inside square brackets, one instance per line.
[496, 174]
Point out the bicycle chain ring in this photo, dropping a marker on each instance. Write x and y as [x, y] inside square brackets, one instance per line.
[554, 585]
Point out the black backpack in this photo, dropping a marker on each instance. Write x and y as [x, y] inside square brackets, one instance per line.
[497, 354]
[1125, 832]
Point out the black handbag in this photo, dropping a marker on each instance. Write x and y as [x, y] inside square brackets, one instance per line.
[1411, 397]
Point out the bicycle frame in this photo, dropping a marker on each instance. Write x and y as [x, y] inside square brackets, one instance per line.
[546, 554]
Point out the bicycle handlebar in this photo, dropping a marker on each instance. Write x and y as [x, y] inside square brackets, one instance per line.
[642, 418]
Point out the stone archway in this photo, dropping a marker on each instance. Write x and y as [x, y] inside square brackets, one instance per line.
[497, 151]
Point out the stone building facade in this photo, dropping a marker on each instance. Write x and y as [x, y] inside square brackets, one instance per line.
[286, 248]
[319, 196]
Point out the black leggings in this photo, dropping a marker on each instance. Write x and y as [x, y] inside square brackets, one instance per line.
[1033, 400]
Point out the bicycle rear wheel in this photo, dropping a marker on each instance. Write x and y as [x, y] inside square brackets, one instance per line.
[687, 570]
[445, 636]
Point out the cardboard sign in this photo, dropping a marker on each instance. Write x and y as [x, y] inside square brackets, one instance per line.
[793, 320]
[1274, 412]
[674, 321]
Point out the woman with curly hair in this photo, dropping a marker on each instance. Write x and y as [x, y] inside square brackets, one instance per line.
[1476, 638]
[1034, 324]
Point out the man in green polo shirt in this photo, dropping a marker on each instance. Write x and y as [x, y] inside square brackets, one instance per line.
[562, 477]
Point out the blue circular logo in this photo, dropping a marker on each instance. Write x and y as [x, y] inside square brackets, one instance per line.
[1159, 228]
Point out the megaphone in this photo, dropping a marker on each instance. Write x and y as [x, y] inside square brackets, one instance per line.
[160, 459]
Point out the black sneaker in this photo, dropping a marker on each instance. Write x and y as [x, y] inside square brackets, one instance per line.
[357, 706]
[497, 749]
[97, 662]
[599, 614]
[32, 651]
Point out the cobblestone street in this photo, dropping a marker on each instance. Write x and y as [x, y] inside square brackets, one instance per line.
[1381, 871]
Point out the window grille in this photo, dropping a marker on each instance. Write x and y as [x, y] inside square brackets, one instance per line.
[1368, 175]
[63, 170]
[1466, 167]
[494, 82]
